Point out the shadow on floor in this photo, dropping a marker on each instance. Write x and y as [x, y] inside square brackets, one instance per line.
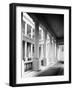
[52, 71]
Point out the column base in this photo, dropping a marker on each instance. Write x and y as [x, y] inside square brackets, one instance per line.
[36, 64]
[53, 60]
[44, 61]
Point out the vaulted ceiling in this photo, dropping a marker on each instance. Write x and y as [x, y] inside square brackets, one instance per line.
[53, 22]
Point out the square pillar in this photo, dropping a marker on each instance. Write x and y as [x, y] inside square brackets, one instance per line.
[55, 52]
[36, 62]
[25, 29]
[31, 32]
[42, 51]
[44, 48]
[50, 50]
[26, 51]
[31, 50]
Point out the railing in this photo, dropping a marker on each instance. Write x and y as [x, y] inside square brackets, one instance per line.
[28, 64]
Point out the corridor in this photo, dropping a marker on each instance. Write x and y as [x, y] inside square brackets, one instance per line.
[42, 45]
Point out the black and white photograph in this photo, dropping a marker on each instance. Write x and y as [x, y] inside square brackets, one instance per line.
[41, 44]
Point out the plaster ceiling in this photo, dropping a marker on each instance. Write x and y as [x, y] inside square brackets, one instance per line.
[54, 23]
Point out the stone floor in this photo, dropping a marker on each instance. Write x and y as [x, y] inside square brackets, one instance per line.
[51, 70]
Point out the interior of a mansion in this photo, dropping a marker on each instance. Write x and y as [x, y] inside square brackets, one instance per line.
[42, 44]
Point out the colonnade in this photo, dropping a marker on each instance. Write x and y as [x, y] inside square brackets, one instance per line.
[48, 56]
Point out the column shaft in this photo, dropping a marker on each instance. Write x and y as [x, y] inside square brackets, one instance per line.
[31, 32]
[25, 50]
[31, 50]
[55, 52]
[36, 48]
[26, 29]
[44, 47]
[42, 51]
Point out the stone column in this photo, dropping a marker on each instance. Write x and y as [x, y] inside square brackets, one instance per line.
[55, 49]
[31, 32]
[23, 67]
[50, 51]
[31, 50]
[36, 48]
[25, 42]
[23, 50]
[44, 47]
[42, 50]
[26, 51]
[55, 52]
[25, 29]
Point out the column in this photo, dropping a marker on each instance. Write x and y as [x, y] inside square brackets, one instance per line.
[50, 51]
[42, 34]
[42, 51]
[25, 29]
[26, 51]
[23, 50]
[57, 48]
[31, 50]
[31, 32]
[36, 62]
[44, 47]
[55, 52]
[23, 67]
